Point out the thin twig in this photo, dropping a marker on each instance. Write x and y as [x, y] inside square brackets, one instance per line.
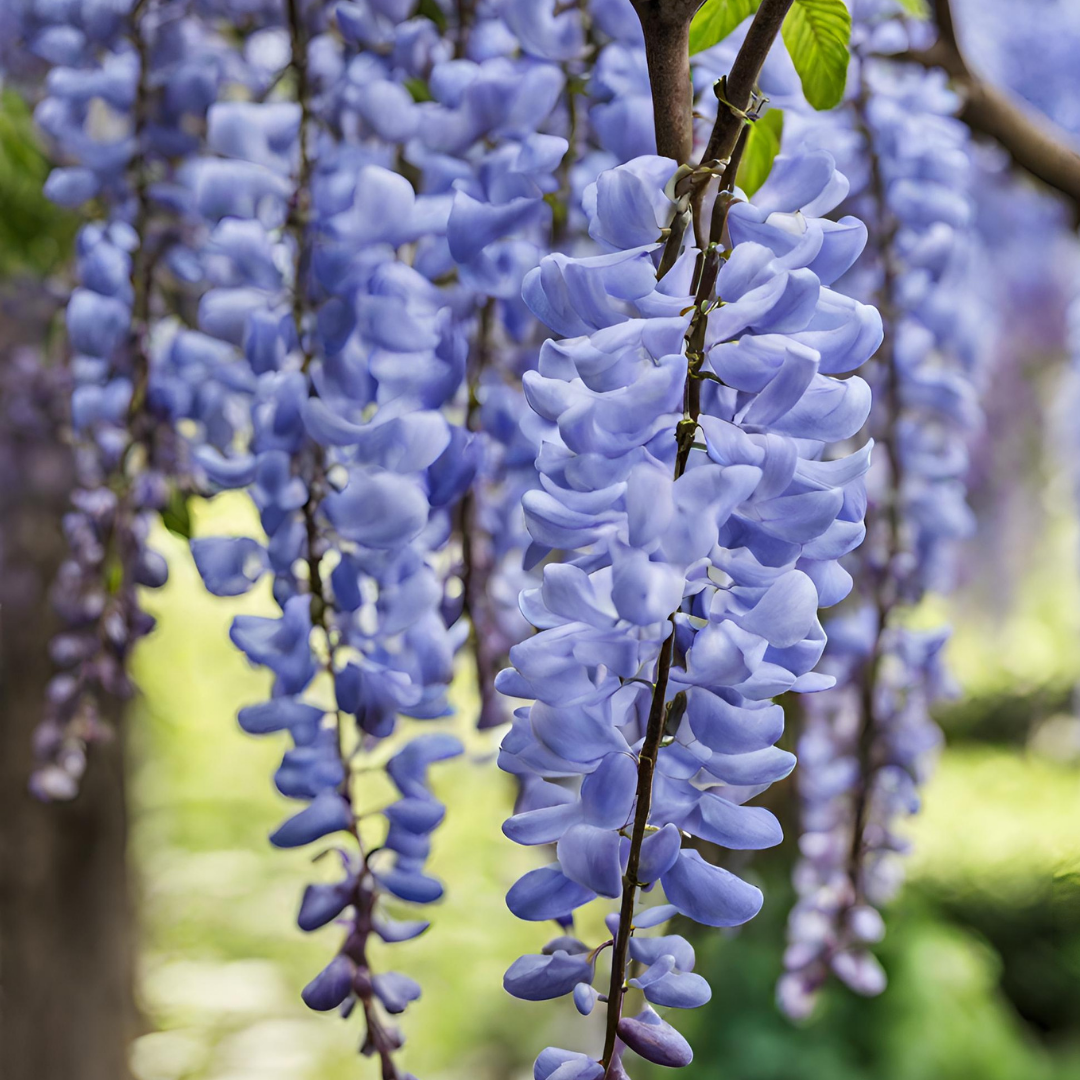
[883, 586]
[740, 83]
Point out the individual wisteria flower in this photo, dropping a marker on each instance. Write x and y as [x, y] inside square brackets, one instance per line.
[115, 108]
[699, 528]
[868, 744]
[620, 111]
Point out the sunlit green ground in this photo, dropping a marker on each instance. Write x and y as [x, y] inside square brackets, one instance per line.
[223, 962]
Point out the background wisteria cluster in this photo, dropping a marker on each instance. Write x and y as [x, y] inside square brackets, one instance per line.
[575, 427]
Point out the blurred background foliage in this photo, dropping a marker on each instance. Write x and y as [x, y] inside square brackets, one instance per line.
[983, 946]
[35, 236]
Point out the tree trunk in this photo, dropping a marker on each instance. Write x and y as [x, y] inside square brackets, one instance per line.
[66, 943]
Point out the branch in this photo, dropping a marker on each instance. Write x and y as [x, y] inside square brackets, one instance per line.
[734, 95]
[666, 25]
[740, 83]
[1034, 142]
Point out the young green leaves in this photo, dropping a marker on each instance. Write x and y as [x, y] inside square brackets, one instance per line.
[762, 146]
[917, 9]
[715, 20]
[816, 32]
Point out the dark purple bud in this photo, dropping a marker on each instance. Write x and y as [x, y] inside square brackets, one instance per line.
[393, 930]
[141, 623]
[655, 1039]
[331, 986]
[415, 814]
[328, 813]
[408, 767]
[279, 714]
[415, 846]
[322, 903]
[408, 882]
[62, 689]
[69, 649]
[151, 571]
[115, 628]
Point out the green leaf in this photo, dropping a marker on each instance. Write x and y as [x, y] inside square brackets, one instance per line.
[817, 34]
[429, 9]
[762, 146]
[419, 90]
[716, 19]
[176, 515]
[35, 234]
[917, 9]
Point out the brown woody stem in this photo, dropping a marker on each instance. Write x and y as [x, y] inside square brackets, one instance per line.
[746, 70]
[666, 25]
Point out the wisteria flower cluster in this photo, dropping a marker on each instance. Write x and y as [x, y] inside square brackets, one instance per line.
[700, 530]
[115, 107]
[868, 744]
[363, 244]
[356, 203]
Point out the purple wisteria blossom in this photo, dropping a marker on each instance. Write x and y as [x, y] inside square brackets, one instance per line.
[868, 744]
[115, 109]
[360, 229]
[699, 527]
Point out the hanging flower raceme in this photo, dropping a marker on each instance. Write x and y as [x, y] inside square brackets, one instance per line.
[867, 744]
[492, 142]
[499, 228]
[700, 529]
[115, 109]
[327, 271]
